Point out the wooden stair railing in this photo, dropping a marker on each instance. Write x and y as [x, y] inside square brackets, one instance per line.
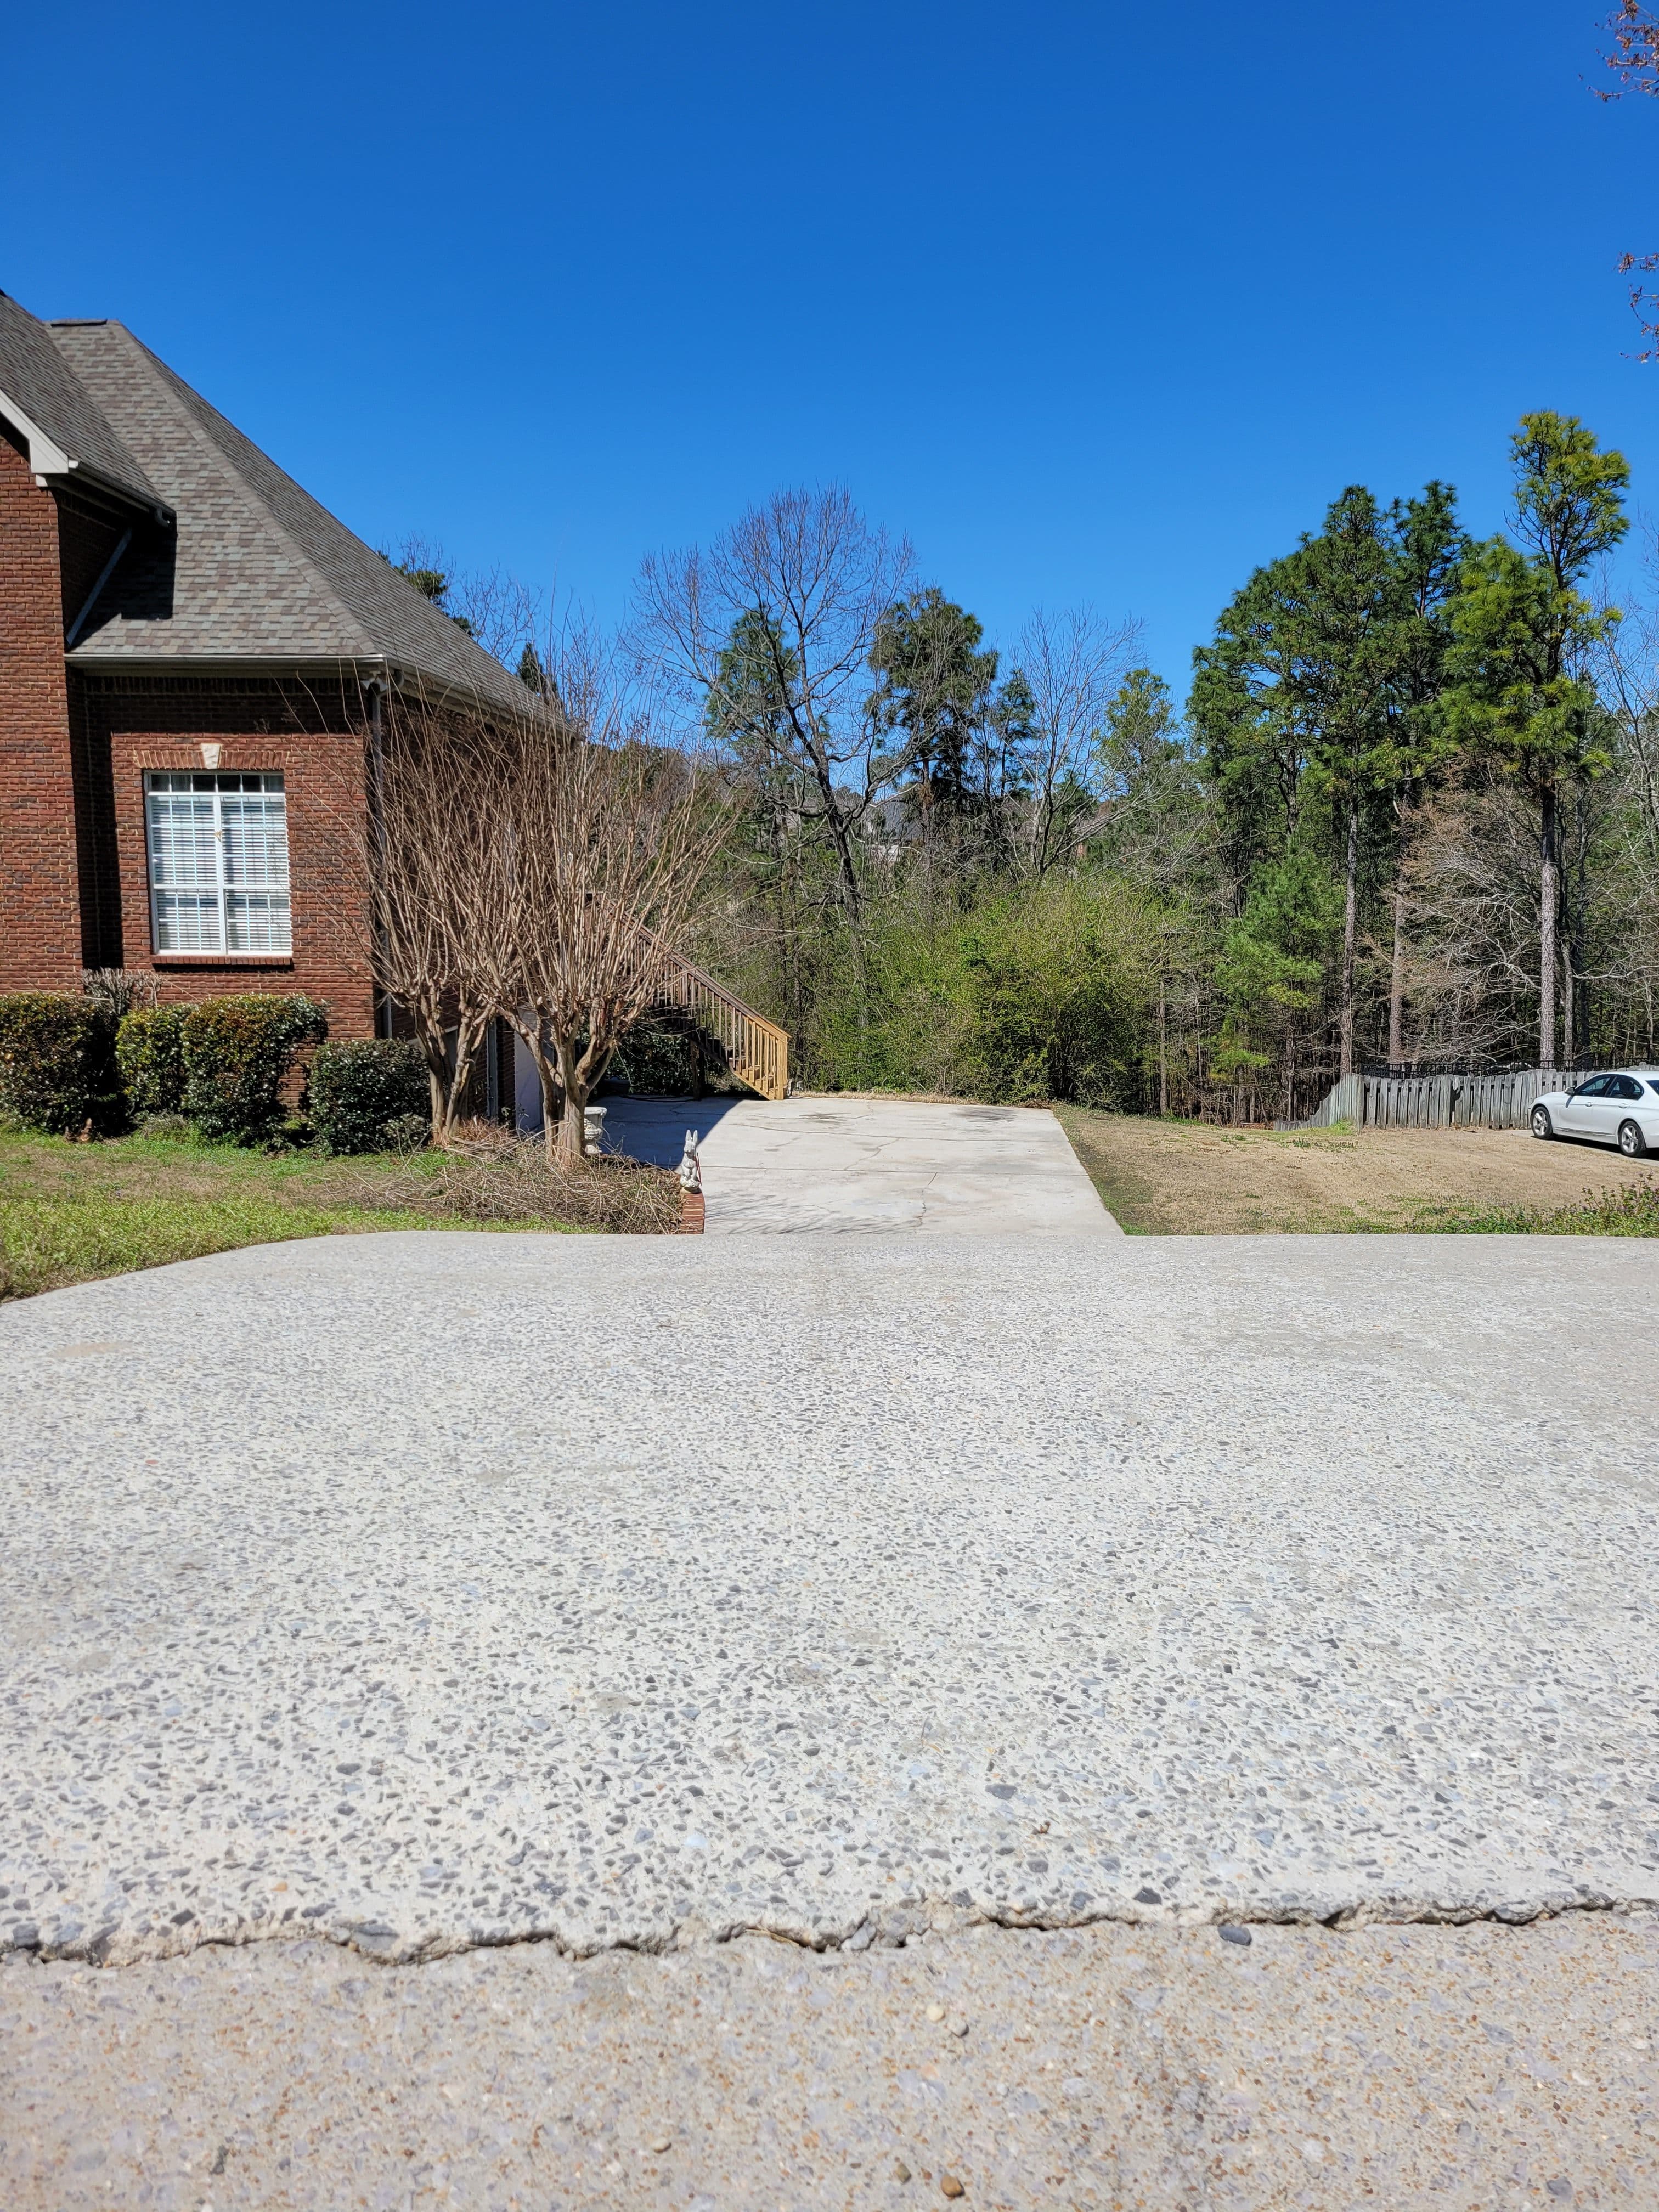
[757, 1049]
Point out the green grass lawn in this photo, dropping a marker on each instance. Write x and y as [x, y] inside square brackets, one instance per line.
[71, 1213]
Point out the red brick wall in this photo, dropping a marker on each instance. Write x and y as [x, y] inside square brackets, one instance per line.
[129, 724]
[40, 946]
[74, 747]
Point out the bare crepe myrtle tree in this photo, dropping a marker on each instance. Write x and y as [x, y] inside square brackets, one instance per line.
[798, 585]
[607, 837]
[440, 904]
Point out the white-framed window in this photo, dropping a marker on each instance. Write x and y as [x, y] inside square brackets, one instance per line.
[218, 862]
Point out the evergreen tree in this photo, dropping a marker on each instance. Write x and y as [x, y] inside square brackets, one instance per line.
[934, 698]
[1523, 635]
[1430, 546]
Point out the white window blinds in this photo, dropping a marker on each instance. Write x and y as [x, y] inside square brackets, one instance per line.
[218, 863]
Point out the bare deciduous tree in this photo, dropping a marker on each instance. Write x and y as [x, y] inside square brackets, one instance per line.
[540, 866]
[1073, 661]
[496, 608]
[439, 905]
[768, 634]
[608, 838]
[1471, 898]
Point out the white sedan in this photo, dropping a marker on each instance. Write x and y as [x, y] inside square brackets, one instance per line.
[1622, 1108]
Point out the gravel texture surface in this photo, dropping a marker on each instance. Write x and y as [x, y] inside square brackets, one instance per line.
[426, 1591]
[1451, 2068]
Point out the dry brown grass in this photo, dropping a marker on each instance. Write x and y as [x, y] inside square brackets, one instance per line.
[1190, 1178]
[486, 1174]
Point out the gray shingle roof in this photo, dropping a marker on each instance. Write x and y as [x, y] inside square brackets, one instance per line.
[35, 377]
[256, 570]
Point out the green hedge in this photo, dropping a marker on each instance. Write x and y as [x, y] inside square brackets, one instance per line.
[149, 1051]
[238, 1052]
[57, 1069]
[370, 1095]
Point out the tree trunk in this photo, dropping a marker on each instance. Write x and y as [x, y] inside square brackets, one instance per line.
[848, 872]
[1350, 925]
[1287, 1073]
[1397, 979]
[427, 1015]
[571, 1149]
[566, 1141]
[447, 1073]
[470, 1035]
[1547, 897]
[547, 1074]
[1578, 1030]
[1162, 1054]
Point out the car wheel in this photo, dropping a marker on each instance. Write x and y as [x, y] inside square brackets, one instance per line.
[1631, 1143]
[1541, 1124]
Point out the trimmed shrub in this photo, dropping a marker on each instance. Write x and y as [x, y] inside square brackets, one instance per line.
[365, 1095]
[56, 1067]
[238, 1052]
[149, 1051]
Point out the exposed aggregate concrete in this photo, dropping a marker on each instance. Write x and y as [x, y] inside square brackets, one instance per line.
[428, 1591]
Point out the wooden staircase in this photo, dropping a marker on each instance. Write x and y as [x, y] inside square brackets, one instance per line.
[758, 1050]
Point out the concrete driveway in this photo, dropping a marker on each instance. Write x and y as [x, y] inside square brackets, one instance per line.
[517, 1619]
[870, 1166]
[435, 1588]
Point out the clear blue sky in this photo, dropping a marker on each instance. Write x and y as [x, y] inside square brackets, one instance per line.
[1099, 301]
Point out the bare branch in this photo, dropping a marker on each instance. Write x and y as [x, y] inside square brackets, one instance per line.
[808, 579]
[1073, 661]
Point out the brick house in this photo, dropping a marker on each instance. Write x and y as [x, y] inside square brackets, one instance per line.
[191, 653]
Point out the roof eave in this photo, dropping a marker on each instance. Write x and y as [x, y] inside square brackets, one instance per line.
[207, 667]
[48, 460]
[362, 669]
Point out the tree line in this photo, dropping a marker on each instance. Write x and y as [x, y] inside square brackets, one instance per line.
[1408, 815]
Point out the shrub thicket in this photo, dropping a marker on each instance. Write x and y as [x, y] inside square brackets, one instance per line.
[149, 1051]
[370, 1095]
[1040, 993]
[655, 1061]
[56, 1066]
[238, 1052]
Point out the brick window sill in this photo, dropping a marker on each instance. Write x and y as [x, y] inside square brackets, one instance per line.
[222, 960]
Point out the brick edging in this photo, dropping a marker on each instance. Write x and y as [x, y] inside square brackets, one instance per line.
[690, 1213]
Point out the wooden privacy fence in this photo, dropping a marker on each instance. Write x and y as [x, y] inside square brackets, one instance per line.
[1436, 1102]
[758, 1050]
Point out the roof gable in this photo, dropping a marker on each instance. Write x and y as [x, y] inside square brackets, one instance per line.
[262, 570]
[256, 572]
[64, 429]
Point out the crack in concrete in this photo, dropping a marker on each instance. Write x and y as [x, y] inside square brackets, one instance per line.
[103, 1948]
